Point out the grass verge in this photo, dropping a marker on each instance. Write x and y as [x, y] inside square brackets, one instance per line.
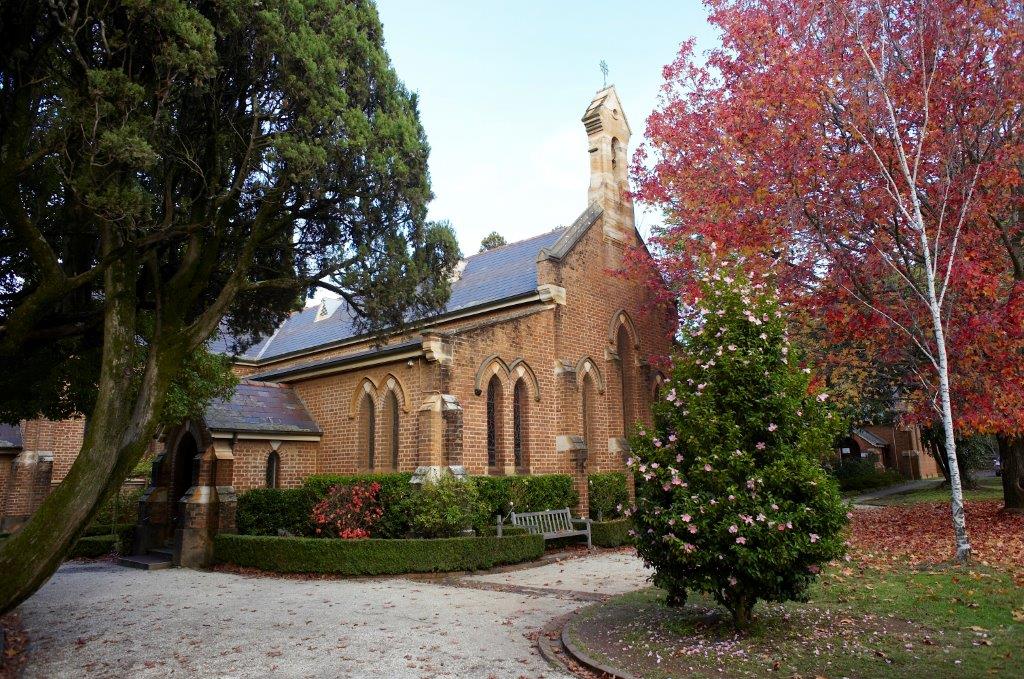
[944, 622]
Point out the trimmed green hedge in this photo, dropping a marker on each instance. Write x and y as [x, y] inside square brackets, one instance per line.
[265, 511]
[609, 494]
[124, 532]
[503, 494]
[611, 533]
[93, 546]
[373, 556]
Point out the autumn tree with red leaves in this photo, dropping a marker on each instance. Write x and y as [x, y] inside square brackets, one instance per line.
[868, 153]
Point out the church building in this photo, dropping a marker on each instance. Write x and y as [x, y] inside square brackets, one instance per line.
[540, 363]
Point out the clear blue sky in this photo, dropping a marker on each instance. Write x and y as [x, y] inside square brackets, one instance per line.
[502, 88]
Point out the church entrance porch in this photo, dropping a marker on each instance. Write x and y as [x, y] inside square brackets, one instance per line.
[190, 498]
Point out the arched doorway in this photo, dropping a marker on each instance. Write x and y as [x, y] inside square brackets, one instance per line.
[184, 474]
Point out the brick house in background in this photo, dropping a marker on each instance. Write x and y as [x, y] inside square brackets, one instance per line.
[539, 364]
[896, 448]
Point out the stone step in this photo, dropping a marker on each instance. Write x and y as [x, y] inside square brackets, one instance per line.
[163, 551]
[148, 562]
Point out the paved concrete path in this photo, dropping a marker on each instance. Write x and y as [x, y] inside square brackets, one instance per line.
[101, 620]
[864, 501]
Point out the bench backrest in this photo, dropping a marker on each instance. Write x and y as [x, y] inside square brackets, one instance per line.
[551, 521]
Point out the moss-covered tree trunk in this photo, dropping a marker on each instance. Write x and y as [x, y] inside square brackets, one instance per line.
[120, 427]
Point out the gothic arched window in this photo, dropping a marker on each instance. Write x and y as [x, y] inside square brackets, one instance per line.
[493, 421]
[519, 415]
[367, 431]
[588, 414]
[627, 366]
[389, 429]
[273, 469]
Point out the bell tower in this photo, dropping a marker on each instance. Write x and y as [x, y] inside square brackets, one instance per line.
[608, 136]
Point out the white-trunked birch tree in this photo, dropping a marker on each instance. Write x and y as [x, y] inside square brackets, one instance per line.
[844, 145]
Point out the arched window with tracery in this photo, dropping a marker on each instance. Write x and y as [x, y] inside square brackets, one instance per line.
[520, 405]
[389, 430]
[588, 414]
[627, 378]
[494, 422]
[367, 431]
[273, 469]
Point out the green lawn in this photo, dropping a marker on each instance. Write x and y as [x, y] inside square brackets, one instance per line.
[944, 623]
[989, 488]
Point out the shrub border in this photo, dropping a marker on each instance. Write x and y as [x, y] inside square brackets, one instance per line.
[374, 556]
[614, 533]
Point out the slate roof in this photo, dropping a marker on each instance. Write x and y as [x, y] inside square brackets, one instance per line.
[501, 273]
[261, 407]
[10, 436]
[871, 438]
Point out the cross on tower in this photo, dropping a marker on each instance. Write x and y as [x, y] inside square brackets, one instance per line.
[604, 71]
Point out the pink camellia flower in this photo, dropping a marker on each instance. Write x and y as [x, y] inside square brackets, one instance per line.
[814, 569]
[732, 581]
[734, 528]
[687, 547]
[671, 522]
[772, 426]
[814, 537]
[747, 519]
[782, 526]
[741, 540]
[760, 445]
[750, 484]
[679, 457]
[686, 518]
[789, 525]
[732, 497]
[761, 517]
[707, 467]
[672, 438]
[657, 443]
[693, 529]
[666, 486]
[676, 481]
[655, 465]
[822, 397]
[775, 507]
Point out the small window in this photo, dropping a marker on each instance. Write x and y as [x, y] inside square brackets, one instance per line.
[273, 469]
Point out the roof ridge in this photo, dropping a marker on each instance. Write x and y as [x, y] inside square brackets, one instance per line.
[518, 242]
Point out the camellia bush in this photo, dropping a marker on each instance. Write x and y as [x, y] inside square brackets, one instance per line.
[731, 498]
[348, 511]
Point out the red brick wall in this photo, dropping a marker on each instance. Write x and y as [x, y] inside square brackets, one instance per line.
[334, 402]
[62, 438]
[6, 463]
[297, 461]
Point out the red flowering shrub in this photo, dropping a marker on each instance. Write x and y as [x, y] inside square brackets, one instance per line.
[348, 511]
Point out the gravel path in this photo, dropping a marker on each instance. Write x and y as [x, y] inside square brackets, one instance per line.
[102, 620]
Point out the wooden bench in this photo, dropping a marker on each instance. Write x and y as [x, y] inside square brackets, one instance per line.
[552, 524]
